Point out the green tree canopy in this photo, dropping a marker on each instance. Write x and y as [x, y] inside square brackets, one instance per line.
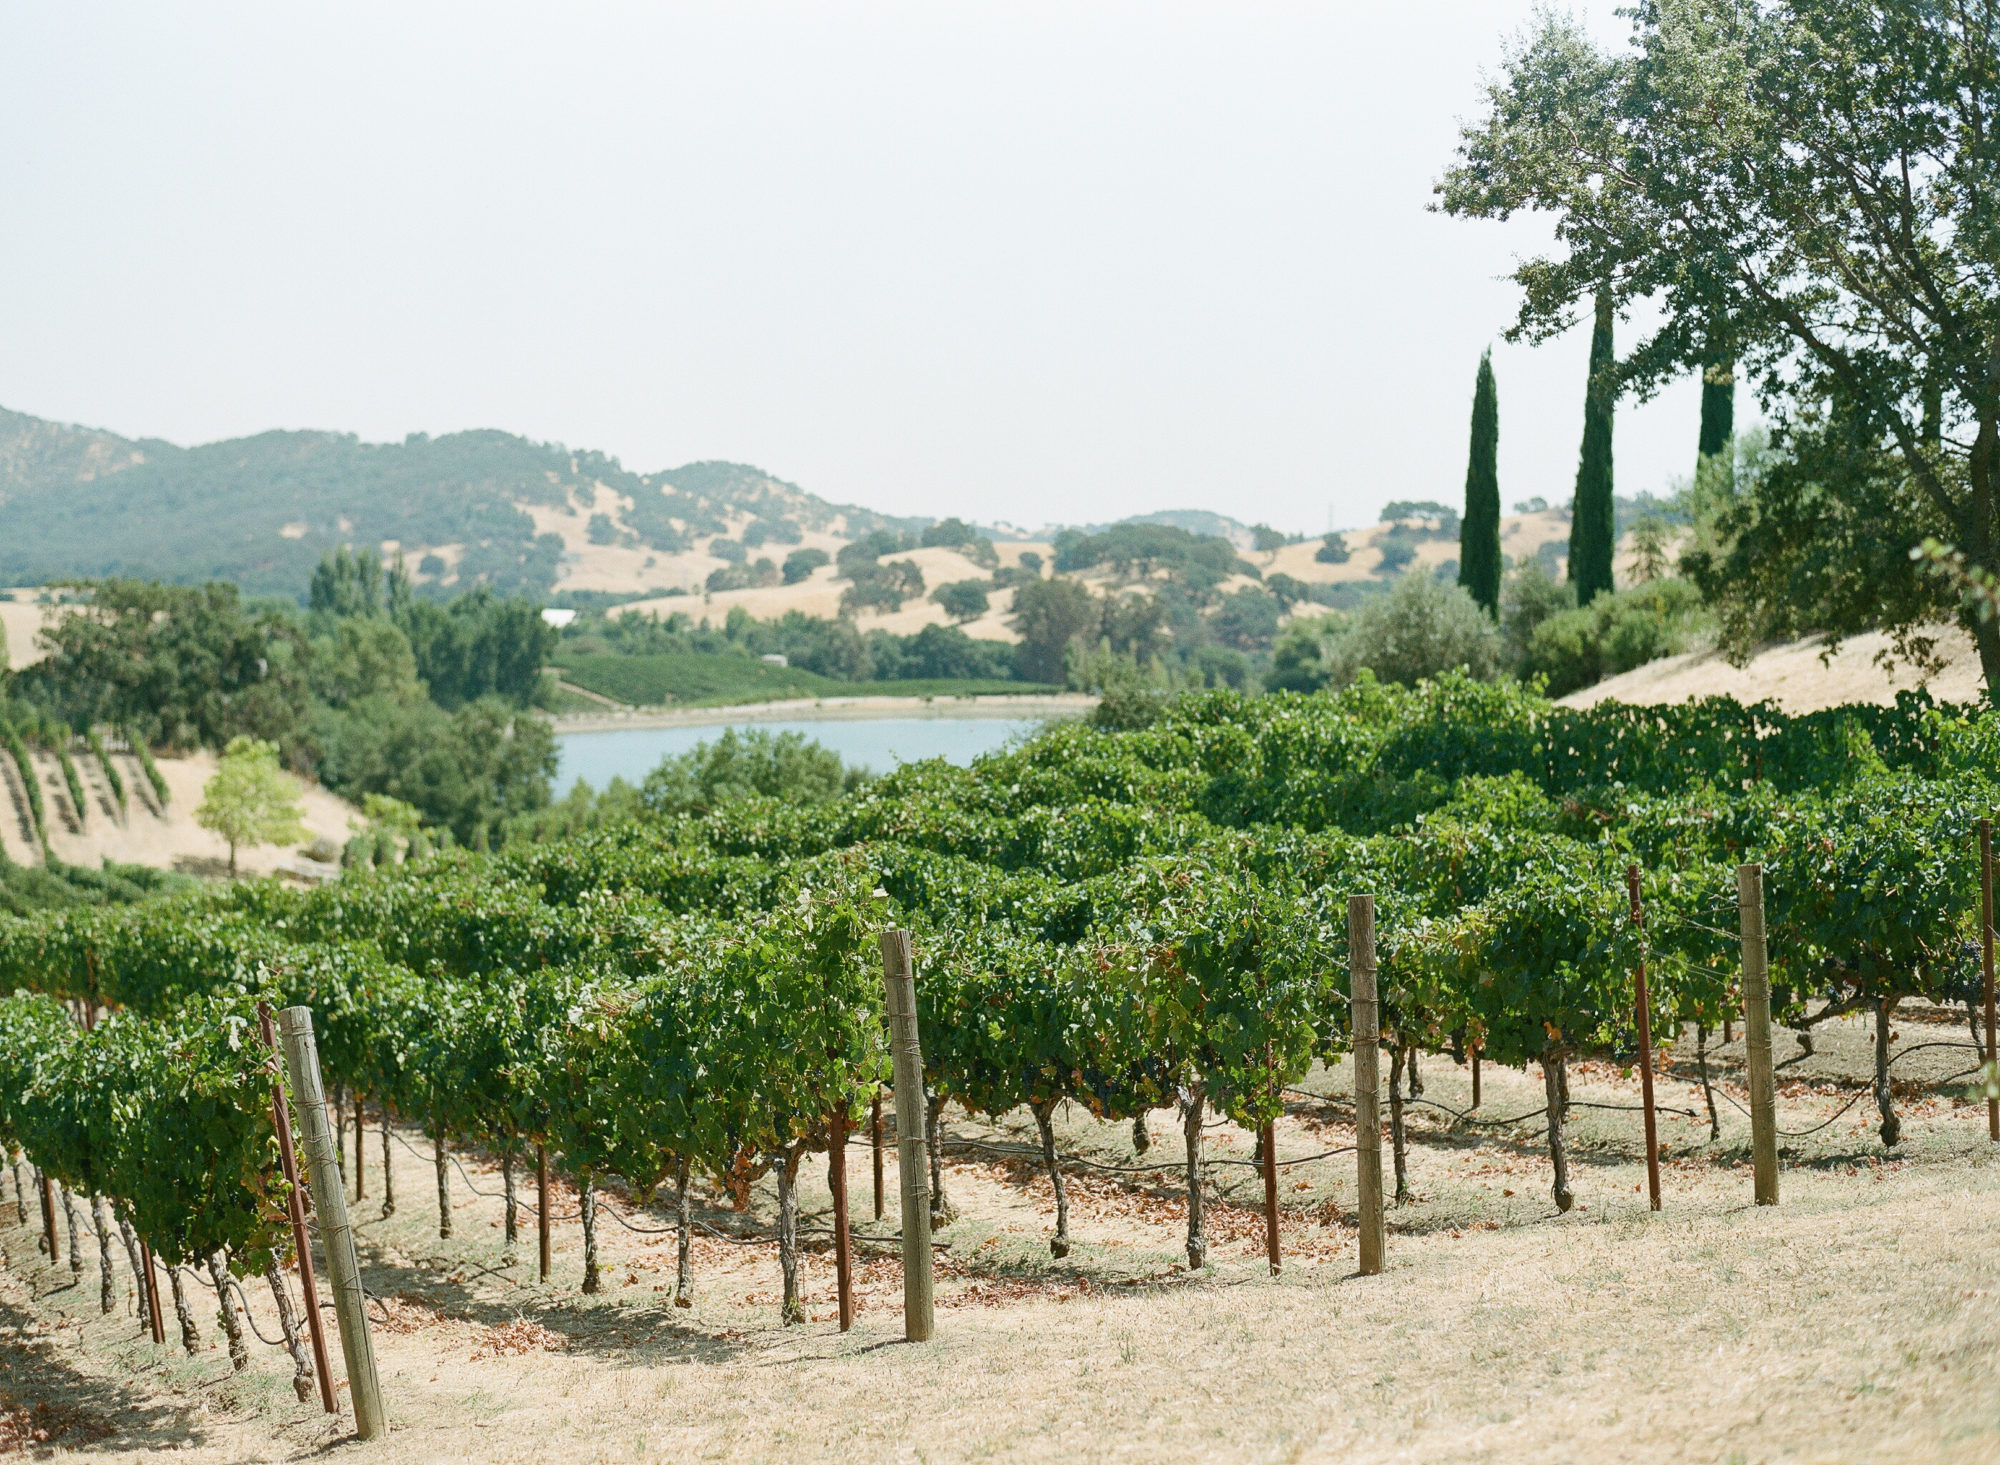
[250, 799]
[1807, 188]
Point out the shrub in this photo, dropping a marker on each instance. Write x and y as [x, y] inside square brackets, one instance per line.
[1614, 633]
[1419, 629]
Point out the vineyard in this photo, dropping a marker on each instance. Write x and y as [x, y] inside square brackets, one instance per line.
[1111, 923]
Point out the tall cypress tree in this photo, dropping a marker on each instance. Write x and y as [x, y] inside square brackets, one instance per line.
[1479, 530]
[1718, 418]
[1592, 525]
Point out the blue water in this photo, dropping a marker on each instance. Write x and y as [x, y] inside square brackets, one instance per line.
[877, 745]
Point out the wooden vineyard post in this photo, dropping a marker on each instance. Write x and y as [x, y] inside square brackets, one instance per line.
[1645, 1043]
[1475, 1078]
[875, 1126]
[1986, 959]
[912, 1167]
[152, 1290]
[1269, 1139]
[281, 1120]
[1367, 1078]
[350, 1302]
[1757, 1033]
[542, 1205]
[843, 1262]
[48, 1214]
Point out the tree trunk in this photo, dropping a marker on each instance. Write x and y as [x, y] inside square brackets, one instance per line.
[1707, 1088]
[1142, 1137]
[1396, 1060]
[586, 1209]
[140, 1279]
[232, 1323]
[183, 1314]
[107, 1298]
[1986, 635]
[1555, 1082]
[69, 1219]
[302, 1372]
[1197, 1242]
[512, 1226]
[684, 1223]
[942, 1211]
[388, 1170]
[1885, 1099]
[787, 1167]
[1059, 1243]
[444, 1187]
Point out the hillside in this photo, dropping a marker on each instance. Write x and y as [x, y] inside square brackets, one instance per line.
[146, 833]
[470, 507]
[1797, 675]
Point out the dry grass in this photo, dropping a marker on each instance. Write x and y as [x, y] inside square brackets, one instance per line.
[1856, 1321]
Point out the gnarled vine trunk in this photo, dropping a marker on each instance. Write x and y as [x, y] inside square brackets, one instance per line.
[1885, 1098]
[302, 1374]
[1707, 1087]
[788, 1229]
[232, 1321]
[183, 1314]
[1142, 1137]
[1058, 1243]
[69, 1219]
[1396, 1060]
[444, 1187]
[1555, 1083]
[511, 1227]
[942, 1210]
[107, 1298]
[388, 1171]
[586, 1210]
[1197, 1241]
[141, 1281]
[1416, 1079]
[20, 1192]
[684, 1224]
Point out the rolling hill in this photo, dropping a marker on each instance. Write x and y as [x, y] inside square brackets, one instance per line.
[470, 507]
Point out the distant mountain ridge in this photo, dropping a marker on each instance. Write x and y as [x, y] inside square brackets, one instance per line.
[77, 501]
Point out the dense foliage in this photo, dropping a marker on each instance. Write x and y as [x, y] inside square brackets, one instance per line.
[1125, 919]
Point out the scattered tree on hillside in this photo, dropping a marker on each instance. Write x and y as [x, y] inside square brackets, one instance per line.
[250, 800]
[963, 600]
[1048, 615]
[1479, 531]
[1333, 550]
[800, 564]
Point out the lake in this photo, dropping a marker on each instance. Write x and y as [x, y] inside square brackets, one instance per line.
[876, 744]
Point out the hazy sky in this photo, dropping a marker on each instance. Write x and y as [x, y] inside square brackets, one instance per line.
[1025, 261]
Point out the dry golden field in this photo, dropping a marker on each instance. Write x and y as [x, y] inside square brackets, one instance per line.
[1859, 1320]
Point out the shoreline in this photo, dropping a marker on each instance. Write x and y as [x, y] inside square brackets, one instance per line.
[830, 709]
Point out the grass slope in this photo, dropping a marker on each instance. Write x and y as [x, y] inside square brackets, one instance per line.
[694, 679]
